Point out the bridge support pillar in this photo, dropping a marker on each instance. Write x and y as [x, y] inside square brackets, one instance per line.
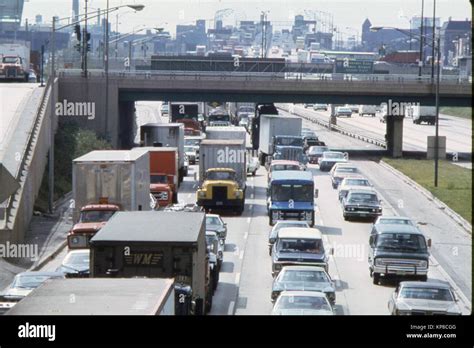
[394, 136]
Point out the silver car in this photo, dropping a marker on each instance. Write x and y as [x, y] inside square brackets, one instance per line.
[423, 298]
[302, 303]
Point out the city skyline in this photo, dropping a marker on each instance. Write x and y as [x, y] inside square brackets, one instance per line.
[281, 13]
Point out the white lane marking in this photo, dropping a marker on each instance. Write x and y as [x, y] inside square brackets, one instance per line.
[246, 235]
[237, 278]
[252, 196]
[248, 220]
[250, 206]
[194, 186]
[241, 256]
[230, 311]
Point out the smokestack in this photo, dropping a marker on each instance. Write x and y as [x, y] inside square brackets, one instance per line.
[75, 10]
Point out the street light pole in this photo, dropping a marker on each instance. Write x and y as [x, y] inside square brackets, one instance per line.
[433, 49]
[52, 117]
[438, 44]
[420, 63]
[106, 58]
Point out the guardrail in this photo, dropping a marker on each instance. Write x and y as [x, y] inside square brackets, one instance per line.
[28, 148]
[371, 78]
[363, 137]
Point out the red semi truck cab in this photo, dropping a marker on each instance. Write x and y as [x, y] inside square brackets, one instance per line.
[92, 218]
[161, 189]
[164, 169]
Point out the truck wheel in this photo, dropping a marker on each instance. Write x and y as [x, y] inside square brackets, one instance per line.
[209, 304]
[215, 279]
[312, 220]
[376, 278]
[175, 198]
[270, 220]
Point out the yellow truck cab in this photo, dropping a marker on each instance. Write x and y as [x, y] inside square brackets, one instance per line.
[221, 190]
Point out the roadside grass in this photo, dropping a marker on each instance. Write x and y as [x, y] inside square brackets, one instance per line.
[454, 182]
[70, 142]
[461, 112]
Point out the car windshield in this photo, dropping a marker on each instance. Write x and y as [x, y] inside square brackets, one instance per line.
[158, 179]
[314, 246]
[246, 109]
[29, 281]
[96, 216]
[401, 242]
[191, 142]
[77, 259]
[189, 149]
[333, 155]
[284, 141]
[426, 293]
[356, 182]
[342, 170]
[220, 175]
[278, 167]
[297, 193]
[317, 149]
[213, 220]
[12, 60]
[395, 221]
[304, 276]
[302, 302]
[359, 197]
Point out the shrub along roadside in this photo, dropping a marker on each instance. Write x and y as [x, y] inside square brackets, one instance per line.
[70, 142]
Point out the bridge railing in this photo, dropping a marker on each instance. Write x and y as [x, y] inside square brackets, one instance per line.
[297, 77]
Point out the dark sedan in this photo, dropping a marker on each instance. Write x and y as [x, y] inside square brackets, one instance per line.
[361, 203]
[315, 152]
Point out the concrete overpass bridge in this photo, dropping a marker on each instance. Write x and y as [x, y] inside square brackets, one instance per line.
[125, 88]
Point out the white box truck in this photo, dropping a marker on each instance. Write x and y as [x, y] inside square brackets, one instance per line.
[227, 133]
[370, 110]
[421, 114]
[112, 178]
[272, 125]
[14, 62]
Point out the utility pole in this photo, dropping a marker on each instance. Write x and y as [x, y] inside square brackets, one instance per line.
[106, 59]
[420, 63]
[438, 41]
[84, 44]
[433, 48]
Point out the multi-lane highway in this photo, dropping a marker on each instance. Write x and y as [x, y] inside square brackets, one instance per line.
[245, 280]
[458, 131]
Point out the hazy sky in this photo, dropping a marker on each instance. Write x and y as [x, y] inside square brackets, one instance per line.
[347, 13]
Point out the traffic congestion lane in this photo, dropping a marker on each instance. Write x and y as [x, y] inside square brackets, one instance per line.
[452, 245]
[238, 230]
[350, 242]
[256, 278]
[349, 239]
